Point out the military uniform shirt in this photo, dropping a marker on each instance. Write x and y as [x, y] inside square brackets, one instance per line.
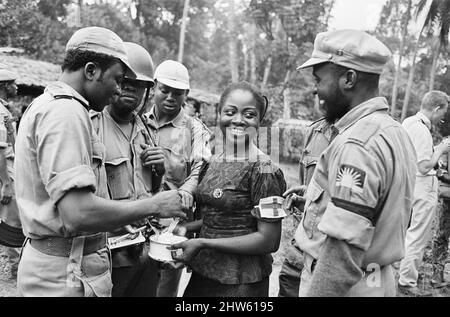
[57, 150]
[185, 142]
[7, 136]
[362, 188]
[127, 178]
[418, 128]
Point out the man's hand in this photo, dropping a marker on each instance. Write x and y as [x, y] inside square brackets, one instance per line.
[153, 157]
[444, 146]
[294, 197]
[187, 200]
[169, 204]
[7, 193]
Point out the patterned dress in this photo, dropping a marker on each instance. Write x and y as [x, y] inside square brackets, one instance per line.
[226, 197]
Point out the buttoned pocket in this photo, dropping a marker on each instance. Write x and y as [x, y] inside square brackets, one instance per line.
[118, 178]
[176, 165]
[313, 198]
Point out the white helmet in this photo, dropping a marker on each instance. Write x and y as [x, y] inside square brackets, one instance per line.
[173, 74]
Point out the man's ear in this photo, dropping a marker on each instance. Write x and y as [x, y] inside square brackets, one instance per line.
[187, 92]
[90, 71]
[350, 79]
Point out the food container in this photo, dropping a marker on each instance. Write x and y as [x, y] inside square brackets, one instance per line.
[159, 246]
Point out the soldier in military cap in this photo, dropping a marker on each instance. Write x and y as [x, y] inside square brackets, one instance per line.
[359, 200]
[317, 138]
[10, 227]
[61, 183]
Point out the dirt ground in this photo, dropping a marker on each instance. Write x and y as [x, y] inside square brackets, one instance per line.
[8, 284]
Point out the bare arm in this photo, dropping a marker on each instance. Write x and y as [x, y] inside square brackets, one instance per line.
[427, 166]
[265, 240]
[82, 211]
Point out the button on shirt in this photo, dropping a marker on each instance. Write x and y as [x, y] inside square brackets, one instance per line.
[185, 142]
[418, 128]
[127, 178]
[57, 150]
[362, 188]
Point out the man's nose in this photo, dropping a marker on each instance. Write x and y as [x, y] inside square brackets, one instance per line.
[314, 91]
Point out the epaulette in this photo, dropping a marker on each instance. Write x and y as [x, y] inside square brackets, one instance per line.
[364, 135]
[316, 122]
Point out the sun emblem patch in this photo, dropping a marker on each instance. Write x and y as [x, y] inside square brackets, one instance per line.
[217, 193]
[351, 177]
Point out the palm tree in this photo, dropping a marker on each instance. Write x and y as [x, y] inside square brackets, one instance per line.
[183, 30]
[430, 5]
[438, 17]
[406, 20]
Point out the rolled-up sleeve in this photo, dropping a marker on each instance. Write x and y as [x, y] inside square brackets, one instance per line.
[64, 149]
[356, 178]
[422, 140]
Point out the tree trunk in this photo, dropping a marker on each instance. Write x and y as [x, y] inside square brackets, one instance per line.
[267, 72]
[436, 54]
[183, 30]
[410, 82]
[287, 96]
[253, 56]
[234, 67]
[79, 21]
[246, 62]
[401, 53]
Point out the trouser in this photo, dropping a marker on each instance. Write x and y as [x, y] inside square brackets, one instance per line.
[378, 283]
[169, 281]
[138, 280]
[289, 280]
[440, 244]
[13, 259]
[43, 275]
[419, 231]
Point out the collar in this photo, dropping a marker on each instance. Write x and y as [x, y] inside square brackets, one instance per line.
[363, 110]
[178, 121]
[59, 88]
[138, 124]
[424, 119]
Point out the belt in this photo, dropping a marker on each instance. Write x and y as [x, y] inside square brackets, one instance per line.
[57, 246]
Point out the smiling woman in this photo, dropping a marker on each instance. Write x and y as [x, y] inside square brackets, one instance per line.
[239, 196]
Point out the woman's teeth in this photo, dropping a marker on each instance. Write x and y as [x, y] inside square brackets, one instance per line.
[238, 132]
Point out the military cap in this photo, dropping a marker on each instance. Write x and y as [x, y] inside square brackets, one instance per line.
[349, 48]
[100, 40]
[6, 75]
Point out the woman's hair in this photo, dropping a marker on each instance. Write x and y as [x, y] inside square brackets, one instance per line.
[261, 101]
[76, 59]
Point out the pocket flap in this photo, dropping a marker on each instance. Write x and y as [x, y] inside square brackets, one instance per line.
[314, 191]
[117, 161]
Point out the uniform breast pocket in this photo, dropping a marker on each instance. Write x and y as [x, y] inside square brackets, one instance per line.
[176, 165]
[118, 178]
[313, 199]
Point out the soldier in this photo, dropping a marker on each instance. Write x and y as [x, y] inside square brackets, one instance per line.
[185, 142]
[125, 137]
[359, 200]
[10, 227]
[318, 136]
[432, 111]
[61, 179]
